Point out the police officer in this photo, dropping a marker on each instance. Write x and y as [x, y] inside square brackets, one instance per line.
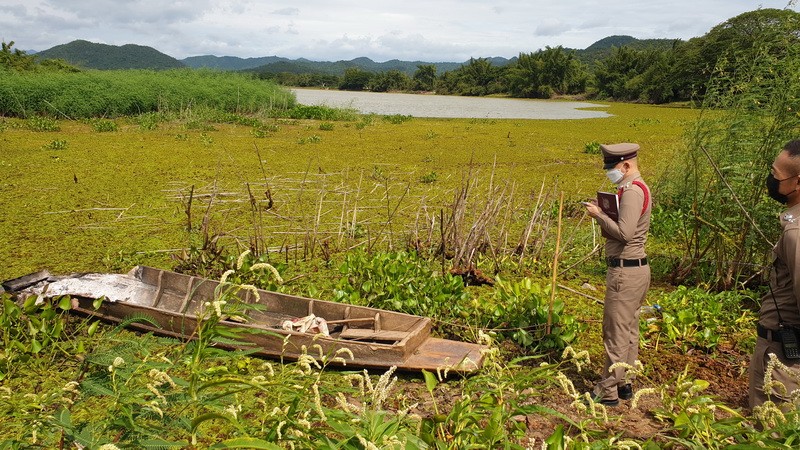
[780, 307]
[628, 274]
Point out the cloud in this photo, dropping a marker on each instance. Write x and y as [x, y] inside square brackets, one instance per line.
[551, 27]
[445, 30]
[287, 12]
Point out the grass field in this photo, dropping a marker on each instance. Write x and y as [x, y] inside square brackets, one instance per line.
[78, 199]
[104, 195]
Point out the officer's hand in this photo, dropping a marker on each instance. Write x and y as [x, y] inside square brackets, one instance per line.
[592, 208]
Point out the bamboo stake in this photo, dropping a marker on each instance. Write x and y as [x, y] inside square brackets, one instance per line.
[553, 285]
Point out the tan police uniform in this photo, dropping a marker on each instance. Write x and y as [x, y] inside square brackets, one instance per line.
[628, 275]
[785, 285]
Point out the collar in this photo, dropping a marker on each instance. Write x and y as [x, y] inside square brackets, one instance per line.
[633, 175]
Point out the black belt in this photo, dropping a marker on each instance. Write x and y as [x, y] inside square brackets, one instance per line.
[766, 333]
[617, 262]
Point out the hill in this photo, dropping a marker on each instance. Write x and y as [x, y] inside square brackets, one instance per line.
[102, 56]
[229, 62]
[602, 48]
[274, 64]
[130, 56]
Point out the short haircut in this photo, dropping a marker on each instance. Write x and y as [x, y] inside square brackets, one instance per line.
[793, 147]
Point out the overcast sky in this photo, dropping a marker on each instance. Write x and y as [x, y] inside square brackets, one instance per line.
[332, 30]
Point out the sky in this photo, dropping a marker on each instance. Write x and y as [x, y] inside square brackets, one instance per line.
[333, 30]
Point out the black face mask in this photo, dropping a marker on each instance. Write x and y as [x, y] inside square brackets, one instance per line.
[772, 189]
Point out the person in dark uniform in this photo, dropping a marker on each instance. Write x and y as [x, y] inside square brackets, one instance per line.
[780, 307]
[628, 275]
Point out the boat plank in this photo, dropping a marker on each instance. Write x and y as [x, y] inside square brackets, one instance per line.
[367, 334]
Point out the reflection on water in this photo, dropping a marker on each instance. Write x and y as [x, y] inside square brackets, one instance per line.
[418, 105]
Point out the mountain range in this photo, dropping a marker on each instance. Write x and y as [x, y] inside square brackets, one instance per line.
[130, 56]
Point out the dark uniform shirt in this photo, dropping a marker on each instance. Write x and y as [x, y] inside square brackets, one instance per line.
[785, 275]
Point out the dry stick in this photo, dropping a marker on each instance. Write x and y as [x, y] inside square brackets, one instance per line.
[581, 293]
[735, 197]
[355, 203]
[527, 233]
[441, 231]
[555, 266]
[391, 216]
[121, 213]
[342, 226]
[189, 210]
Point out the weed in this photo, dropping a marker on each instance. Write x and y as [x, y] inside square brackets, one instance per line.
[592, 148]
[428, 178]
[199, 126]
[104, 125]
[397, 119]
[41, 123]
[264, 130]
[326, 126]
[206, 139]
[431, 135]
[313, 139]
[148, 121]
[58, 144]
[694, 318]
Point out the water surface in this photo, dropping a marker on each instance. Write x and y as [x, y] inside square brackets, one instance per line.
[448, 106]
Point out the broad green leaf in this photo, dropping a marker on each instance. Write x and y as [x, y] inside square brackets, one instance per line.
[65, 303]
[430, 380]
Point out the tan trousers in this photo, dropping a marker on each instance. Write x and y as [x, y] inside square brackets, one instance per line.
[626, 289]
[758, 367]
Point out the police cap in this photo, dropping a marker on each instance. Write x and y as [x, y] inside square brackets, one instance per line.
[613, 154]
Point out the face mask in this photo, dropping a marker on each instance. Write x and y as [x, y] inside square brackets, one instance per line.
[615, 175]
[772, 189]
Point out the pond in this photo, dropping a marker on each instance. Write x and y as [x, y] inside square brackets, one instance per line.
[449, 106]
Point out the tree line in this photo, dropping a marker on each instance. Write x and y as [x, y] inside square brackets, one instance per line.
[650, 75]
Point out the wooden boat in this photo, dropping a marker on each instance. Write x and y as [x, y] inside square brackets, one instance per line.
[377, 338]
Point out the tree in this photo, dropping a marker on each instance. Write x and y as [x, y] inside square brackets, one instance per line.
[391, 80]
[739, 38]
[716, 192]
[16, 59]
[425, 77]
[355, 79]
[477, 77]
[547, 72]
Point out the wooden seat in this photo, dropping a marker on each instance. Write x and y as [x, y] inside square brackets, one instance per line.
[367, 334]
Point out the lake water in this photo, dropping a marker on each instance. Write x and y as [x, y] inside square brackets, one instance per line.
[448, 106]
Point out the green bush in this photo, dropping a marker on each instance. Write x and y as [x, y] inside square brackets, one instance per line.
[132, 92]
[39, 123]
[104, 125]
[400, 281]
[696, 318]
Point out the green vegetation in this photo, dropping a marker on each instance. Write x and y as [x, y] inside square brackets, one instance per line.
[457, 219]
[196, 202]
[750, 109]
[77, 95]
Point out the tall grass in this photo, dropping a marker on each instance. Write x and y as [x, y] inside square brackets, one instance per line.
[131, 92]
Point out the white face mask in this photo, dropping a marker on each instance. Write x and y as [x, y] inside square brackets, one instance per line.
[615, 175]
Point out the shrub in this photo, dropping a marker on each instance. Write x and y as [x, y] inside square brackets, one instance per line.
[39, 123]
